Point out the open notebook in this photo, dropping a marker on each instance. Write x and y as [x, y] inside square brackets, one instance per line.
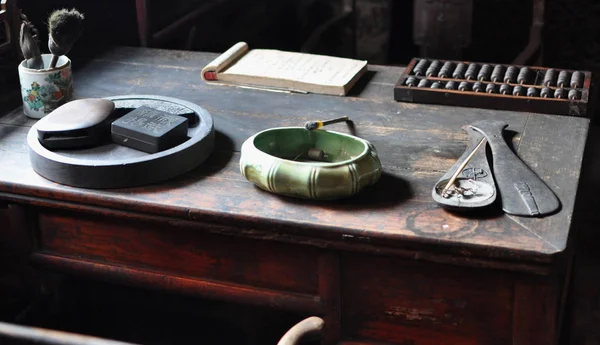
[276, 69]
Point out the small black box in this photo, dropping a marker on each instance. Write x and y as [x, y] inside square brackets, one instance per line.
[149, 130]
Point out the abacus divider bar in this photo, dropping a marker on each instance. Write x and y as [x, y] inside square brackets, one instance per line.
[485, 94]
[493, 101]
[486, 81]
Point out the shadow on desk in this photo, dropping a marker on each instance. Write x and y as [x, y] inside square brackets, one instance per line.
[361, 84]
[388, 192]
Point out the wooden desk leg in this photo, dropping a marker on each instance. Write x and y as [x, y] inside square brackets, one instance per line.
[535, 312]
[329, 291]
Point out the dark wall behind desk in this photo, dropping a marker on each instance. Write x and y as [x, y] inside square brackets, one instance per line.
[500, 28]
[107, 22]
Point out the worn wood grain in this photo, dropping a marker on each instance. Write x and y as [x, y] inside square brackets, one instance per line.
[330, 292]
[304, 236]
[379, 267]
[184, 285]
[535, 311]
[154, 247]
[398, 301]
[416, 143]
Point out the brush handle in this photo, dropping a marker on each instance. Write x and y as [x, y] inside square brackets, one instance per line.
[53, 61]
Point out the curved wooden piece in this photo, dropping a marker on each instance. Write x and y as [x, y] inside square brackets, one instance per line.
[311, 325]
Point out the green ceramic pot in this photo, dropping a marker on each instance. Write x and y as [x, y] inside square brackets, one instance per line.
[277, 160]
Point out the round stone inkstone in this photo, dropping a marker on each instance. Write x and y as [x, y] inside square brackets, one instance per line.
[76, 124]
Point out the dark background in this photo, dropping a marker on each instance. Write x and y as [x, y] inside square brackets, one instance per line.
[500, 28]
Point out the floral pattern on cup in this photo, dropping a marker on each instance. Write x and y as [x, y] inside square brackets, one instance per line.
[52, 95]
[44, 90]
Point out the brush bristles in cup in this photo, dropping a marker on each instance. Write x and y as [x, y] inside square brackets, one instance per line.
[64, 28]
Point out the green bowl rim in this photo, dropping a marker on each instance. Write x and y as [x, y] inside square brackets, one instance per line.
[367, 146]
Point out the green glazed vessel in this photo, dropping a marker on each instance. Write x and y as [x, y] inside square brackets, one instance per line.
[277, 160]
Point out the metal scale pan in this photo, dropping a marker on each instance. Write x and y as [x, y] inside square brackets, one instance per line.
[109, 165]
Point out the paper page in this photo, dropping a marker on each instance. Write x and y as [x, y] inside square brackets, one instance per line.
[305, 68]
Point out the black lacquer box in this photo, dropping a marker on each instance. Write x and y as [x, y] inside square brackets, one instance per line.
[149, 130]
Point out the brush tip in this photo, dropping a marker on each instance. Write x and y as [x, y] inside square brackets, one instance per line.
[65, 27]
[311, 125]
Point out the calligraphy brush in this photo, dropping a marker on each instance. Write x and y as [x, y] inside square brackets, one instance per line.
[64, 28]
[29, 45]
[312, 125]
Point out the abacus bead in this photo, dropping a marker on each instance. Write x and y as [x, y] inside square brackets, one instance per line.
[411, 81]
[478, 86]
[531, 92]
[436, 85]
[549, 77]
[518, 90]
[563, 79]
[451, 85]
[497, 73]
[559, 93]
[511, 74]
[576, 79]
[433, 68]
[420, 67]
[522, 77]
[423, 83]
[545, 93]
[459, 71]
[464, 86]
[573, 94]
[484, 73]
[490, 88]
[504, 89]
[471, 71]
[445, 70]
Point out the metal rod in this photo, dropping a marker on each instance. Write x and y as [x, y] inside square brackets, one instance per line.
[460, 169]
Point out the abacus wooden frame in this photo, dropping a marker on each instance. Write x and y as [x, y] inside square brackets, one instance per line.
[442, 96]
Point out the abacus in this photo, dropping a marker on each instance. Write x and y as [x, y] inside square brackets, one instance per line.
[495, 86]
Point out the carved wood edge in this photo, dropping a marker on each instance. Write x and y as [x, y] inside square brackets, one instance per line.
[217, 290]
[541, 267]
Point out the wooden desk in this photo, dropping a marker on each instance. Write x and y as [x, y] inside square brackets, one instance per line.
[386, 266]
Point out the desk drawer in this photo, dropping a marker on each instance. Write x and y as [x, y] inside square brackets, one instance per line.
[180, 251]
[408, 302]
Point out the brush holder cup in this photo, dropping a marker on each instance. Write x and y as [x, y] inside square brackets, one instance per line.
[44, 90]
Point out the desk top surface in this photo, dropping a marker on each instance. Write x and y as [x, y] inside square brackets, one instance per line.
[416, 144]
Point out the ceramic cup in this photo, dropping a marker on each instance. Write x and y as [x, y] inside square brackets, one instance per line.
[44, 90]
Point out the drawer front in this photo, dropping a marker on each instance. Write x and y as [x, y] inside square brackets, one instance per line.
[180, 251]
[419, 303]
